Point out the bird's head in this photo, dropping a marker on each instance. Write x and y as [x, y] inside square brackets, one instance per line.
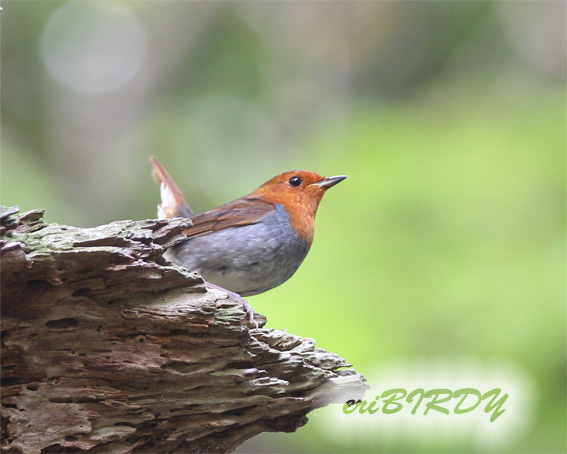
[299, 192]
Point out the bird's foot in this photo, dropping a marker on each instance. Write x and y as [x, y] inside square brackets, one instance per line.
[238, 298]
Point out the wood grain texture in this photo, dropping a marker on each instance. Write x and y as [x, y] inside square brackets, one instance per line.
[107, 347]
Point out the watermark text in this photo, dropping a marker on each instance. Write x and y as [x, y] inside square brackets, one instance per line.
[440, 400]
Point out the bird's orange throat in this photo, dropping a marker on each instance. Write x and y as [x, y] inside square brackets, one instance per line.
[303, 223]
[301, 211]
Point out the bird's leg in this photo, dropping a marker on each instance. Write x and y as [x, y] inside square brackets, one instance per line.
[238, 298]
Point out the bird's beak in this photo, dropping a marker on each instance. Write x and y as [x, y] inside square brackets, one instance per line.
[330, 181]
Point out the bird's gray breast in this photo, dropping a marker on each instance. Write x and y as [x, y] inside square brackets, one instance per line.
[247, 260]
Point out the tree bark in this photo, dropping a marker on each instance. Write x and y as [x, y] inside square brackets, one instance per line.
[108, 347]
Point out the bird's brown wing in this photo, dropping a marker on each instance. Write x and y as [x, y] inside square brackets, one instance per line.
[240, 212]
[178, 207]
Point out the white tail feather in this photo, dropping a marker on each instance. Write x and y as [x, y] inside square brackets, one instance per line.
[168, 205]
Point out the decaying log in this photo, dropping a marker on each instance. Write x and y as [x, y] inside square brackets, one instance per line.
[107, 347]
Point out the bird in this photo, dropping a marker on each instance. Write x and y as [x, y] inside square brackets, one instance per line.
[254, 243]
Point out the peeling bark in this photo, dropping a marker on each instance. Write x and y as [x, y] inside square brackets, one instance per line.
[108, 347]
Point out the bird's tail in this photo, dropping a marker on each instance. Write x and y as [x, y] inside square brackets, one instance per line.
[173, 203]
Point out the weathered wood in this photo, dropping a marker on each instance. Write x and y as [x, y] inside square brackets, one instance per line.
[107, 347]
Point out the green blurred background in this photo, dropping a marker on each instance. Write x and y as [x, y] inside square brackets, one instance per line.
[446, 243]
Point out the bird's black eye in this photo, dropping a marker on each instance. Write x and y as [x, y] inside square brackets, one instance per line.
[295, 181]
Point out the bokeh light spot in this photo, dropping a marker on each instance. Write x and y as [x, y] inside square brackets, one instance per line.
[93, 47]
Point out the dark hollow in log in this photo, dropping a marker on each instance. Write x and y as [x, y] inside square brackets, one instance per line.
[107, 347]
